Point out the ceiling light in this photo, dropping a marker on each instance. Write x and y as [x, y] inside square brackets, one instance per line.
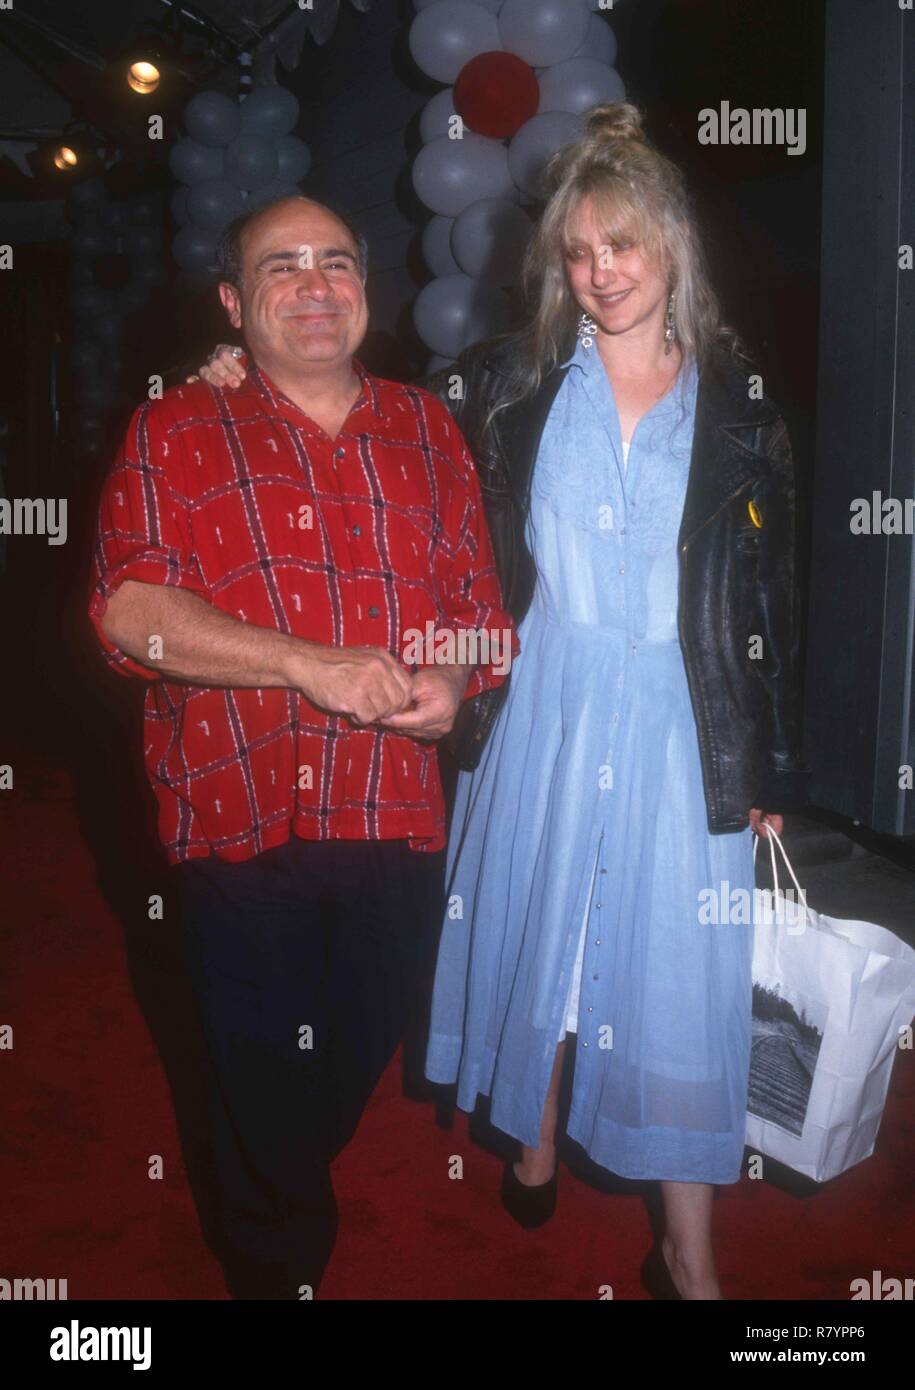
[143, 77]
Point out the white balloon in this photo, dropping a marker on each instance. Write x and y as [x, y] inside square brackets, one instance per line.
[446, 36]
[536, 141]
[437, 246]
[488, 241]
[437, 112]
[449, 175]
[435, 363]
[491, 5]
[578, 84]
[600, 42]
[544, 31]
[454, 311]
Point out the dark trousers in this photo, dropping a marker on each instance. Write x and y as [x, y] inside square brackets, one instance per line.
[307, 962]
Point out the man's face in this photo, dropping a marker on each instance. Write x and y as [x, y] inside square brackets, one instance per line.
[301, 300]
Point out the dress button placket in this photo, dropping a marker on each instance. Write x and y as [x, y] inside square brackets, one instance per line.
[596, 909]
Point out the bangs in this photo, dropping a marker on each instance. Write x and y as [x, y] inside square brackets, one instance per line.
[621, 219]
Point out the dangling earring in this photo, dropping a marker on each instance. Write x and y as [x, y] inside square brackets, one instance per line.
[586, 330]
[669, 330]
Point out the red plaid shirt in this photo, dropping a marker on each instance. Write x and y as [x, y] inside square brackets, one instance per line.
[211, 492]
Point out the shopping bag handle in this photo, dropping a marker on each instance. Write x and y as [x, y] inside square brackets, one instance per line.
[770, 835]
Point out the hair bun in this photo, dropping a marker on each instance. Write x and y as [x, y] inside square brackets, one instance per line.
[618, 120]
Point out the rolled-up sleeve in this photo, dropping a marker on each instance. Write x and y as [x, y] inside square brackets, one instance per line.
[468, 583]
[143, 529]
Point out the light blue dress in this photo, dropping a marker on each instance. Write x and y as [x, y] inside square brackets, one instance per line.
[588, 806]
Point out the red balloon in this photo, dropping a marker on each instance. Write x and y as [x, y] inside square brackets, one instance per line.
[495, 93]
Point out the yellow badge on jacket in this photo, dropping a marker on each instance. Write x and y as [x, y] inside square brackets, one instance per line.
[755, 514]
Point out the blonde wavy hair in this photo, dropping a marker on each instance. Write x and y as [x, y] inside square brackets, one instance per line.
[640, 196]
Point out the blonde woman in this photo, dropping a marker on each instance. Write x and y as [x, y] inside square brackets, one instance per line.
[640, 499]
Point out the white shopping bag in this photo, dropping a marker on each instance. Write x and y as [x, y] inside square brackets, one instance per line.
[831, 1001]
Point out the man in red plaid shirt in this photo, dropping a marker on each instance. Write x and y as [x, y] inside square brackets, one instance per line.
[261, 556]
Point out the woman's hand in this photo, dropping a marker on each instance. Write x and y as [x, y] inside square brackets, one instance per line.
[222, 367]
[760, 819]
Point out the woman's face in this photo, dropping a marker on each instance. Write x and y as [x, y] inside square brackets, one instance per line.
[616, 285]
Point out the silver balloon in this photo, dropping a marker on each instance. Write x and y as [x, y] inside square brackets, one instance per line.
[212, 119]
[194, 249]
[147, 272]
[437, 246]
[536, 141]
[144, 209]
[214, 203]
[251, 161]
[134, 295]
[270, 111]
[109, 327]
[90, 194]
[93, 241]
[293, 158]
[437, 113]
[190, 162]
[600, 42]
[84, 356]
[89, 301]
[447, 35]
[114, 217]
[454, 311]
[488, 241]
[141, 241]
[543, 31]
[578, 84]
[449, 175]
[491, 5]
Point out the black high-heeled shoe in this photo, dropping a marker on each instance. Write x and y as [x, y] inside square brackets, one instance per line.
[657, 1278]
[529, 1206]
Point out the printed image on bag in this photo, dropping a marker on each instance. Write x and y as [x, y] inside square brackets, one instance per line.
[787, 1033]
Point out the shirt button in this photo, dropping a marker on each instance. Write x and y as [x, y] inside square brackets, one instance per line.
[622, 569]
[339, 453]
[597, 943]
[616, 719]
[373, 612]
[590, 1011]
[357, 530]
[584, 1044]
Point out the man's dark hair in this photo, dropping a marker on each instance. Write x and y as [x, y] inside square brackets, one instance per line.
[229, 254]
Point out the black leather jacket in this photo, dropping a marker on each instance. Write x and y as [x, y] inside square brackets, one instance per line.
[737, 579]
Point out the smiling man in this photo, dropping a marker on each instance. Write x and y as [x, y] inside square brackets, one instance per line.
[260, 554]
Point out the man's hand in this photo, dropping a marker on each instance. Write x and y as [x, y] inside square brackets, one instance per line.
[437, 692]
[365, 683]
[222, 367]
[760, 819]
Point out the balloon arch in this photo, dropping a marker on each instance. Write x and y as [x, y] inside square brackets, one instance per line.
[520, 75]
[236, 155]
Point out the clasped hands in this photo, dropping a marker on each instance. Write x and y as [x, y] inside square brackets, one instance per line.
[371, 688]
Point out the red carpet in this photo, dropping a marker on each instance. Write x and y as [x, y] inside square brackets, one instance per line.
[87, 1103]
